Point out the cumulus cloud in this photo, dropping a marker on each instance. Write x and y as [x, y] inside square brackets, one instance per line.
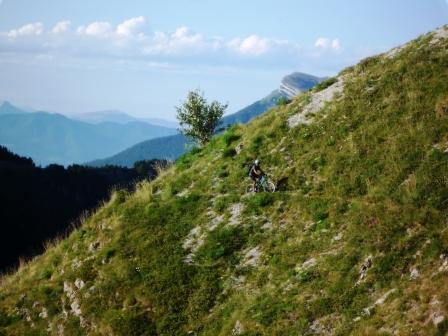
[132, 41]
[252, 45]
[327, 43]
[28, 29]
[98, 29]
[130, 26]
[61, 27]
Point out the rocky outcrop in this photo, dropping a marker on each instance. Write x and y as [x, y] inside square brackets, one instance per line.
[298, 82]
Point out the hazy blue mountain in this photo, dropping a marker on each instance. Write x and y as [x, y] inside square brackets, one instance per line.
[161, 122]
[97, 117]
[172, 147]
[119, 117]
[169, 148]
[54, 138]
[7, 108]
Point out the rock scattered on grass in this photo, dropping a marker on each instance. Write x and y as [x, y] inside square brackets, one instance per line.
[94, 246]
[368, 262]
[252, 257]
[235, 213]
[415, 274]
[318, 101]
[379, 302]
[238, 328]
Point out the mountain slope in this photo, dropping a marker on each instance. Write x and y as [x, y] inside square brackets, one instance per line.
[52, 138]
[120, 117]
[8, 108]
[353, 243]
[167, 148]
[174, 146]
[97, 117]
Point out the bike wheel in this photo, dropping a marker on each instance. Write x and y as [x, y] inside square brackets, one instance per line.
[270, 187]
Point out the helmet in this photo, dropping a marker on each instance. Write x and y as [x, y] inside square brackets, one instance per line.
[257, 162]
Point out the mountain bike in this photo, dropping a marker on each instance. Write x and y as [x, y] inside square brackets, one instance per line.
[263, 184]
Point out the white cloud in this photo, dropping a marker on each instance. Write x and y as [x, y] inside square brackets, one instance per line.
[252, 45]
[335, 44]
[182, 41]
[130, 26]
[327, 43]
[184, 36]
[131, 41]
[99, 29]
[61, 27]
[28, 29]
[321, 42]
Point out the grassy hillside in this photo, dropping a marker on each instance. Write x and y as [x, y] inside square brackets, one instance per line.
[355, 242]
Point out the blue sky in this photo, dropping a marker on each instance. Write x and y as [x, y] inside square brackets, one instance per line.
[143, 56]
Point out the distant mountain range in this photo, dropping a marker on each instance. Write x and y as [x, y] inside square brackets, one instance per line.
[54, 138]
[171, 147]
[120, 117]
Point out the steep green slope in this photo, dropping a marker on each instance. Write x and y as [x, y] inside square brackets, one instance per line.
[355, 242]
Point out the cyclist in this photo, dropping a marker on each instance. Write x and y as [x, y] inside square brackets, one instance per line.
[255, 173]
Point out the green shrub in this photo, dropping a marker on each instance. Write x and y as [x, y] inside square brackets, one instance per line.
[222, 242]
[261, 199]
[228, 152]
[325, 84]
[229, 136]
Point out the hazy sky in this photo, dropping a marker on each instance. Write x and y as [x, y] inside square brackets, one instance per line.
[142, 56]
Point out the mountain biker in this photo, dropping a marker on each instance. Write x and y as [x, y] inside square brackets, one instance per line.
[255, 173]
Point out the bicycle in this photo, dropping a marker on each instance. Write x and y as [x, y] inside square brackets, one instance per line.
[263, 184]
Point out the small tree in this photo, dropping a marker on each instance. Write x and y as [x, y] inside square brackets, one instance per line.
[198, 119]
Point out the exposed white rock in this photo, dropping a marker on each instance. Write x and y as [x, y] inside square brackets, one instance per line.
[215, 220]
[60, 330]
[364, 268]
[251, 257]
[193, 242]
[70, 292]
[79, 283]
[44, 313]
[317, 328]
[338, 237]
[267, 226]
[439, 34]
[394, 52]
[237, 282]
[235, 213]
[318, 101]
[94, 246]
[444, 266]
[183, 193]
[379, 302]
[436, 316]
[237, 329]
[309, 263]
[76, 264]
[415, 274]
[239, 148]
